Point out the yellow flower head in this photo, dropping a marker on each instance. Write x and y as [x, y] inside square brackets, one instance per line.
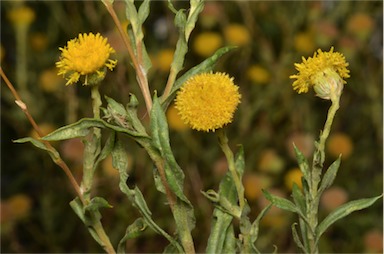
[21, 16]
[88, 56]
[208, 101]
[325, 71]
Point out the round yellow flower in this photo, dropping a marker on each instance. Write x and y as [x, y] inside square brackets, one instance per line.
[315, 70]
[258, 74]
[174, 120]
[88, 56]
[208, 101]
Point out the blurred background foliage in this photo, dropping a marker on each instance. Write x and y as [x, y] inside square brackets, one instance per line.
[271, 36]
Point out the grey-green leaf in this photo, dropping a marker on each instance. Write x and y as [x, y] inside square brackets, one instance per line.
[329, 175]
[296, 238]
[53, 153]
[134, 230]
[303, 163]
[281, 203]
[298, 198]
[343, 211]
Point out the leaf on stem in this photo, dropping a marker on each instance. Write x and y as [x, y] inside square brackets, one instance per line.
[254, 232]
[303, 163]
[120, 162]
[53, 153]
[281, 203]
[296, 238]
[298, 198]
[134, 230]
[343, 211]
[329, 176]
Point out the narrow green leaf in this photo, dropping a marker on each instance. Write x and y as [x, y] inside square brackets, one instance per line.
[97, 203]
[120, 162]
[143, 11]
[329, 176]
[254, 232]
[196, 8]
[77, 207]
[160, 137]
[343, 211]
[296, 238]
[281, 203]
[109, 144]
[53, 153]
[82, 128]
[303, 163]
[134, 230]
[298, 198]
[229, 241]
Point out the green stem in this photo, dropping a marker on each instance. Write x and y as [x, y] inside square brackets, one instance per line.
[223, 141]
[315, 177]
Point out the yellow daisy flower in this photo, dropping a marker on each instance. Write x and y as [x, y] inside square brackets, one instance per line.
[325, 71]
[88, 56]
[208, 101]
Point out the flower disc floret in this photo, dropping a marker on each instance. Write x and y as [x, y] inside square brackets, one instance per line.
[313, 68]
[207, 101]
[88, 56]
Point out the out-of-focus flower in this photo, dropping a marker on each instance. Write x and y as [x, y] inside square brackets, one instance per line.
[164, 60]
[303, 141]
[21, 16]
[15, 208]
[87, 56]
[333, 198]
[304, 42]
[49, 81]
[360, 25]
[211, 14]
[293, 176]
[325, 71]
[174, 120]
[39, 41]
[373, 241]
[220, 168]
[270, 162]
[325, 32]
[73, 149]
[206, 43]
[237, 35]
[2, 53]
[207, 101]
[340, 143]
[45, 128]
[253, 183]
[258, 74]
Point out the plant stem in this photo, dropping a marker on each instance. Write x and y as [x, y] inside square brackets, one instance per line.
[138, 65]
[178, 211]
[223, 141]
[315, 177]
[58, 161]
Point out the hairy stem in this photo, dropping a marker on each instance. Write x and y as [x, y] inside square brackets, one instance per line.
[223, 141]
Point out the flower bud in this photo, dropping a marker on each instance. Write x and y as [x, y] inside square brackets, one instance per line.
[328, 84]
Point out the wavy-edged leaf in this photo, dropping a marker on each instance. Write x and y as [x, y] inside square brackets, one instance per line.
[120, 162]
[53, 153]
[134, 230]
[329, 176]
[82, 128]
[343, 211]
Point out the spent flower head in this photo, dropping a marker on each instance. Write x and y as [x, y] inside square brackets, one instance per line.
[325, 71]
[87, 56]
[208, 101]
